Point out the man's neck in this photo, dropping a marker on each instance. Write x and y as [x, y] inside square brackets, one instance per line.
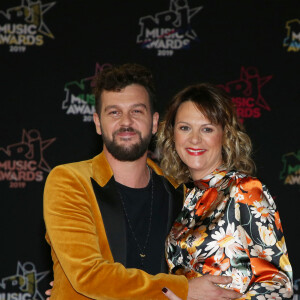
[134, 174]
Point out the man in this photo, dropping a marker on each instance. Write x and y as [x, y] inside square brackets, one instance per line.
[107, 218]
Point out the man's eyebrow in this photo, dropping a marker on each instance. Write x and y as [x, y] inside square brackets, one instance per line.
[110, 107]
[139, 104]
[132, 106]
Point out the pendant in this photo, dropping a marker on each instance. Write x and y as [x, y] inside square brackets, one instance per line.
[142, 255]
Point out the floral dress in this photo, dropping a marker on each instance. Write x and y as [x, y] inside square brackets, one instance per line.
[229, 225]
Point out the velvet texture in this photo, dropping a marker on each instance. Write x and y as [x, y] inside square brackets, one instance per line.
[84, 267]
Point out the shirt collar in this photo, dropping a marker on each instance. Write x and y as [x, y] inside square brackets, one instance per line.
[214, 179]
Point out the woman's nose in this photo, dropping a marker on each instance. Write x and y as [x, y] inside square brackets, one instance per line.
[195, 138]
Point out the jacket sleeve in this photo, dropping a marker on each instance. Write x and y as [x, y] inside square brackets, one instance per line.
[77, 243]
[262, 231]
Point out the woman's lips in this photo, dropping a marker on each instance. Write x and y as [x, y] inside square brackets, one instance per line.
[195, 152]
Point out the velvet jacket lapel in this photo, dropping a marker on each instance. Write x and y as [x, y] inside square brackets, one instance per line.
[111, 207]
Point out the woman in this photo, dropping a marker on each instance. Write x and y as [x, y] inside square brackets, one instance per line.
[229, 224]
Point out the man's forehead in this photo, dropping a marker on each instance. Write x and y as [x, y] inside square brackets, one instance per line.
[132, 95]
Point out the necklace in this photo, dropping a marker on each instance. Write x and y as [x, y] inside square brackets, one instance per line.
[142, 252]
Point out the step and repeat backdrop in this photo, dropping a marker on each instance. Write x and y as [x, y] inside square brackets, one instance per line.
[50, 52]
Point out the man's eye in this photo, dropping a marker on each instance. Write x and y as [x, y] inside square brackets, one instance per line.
[114, 112]
[137, 111]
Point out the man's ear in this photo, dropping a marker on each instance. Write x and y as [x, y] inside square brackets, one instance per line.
[155, 120]
[97, 123]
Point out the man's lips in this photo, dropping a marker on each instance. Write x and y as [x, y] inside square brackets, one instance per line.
[125, 133]
[195, 152]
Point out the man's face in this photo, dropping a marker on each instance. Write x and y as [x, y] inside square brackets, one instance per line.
[126, 123]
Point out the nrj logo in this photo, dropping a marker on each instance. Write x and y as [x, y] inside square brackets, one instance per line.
[23, 285]
[23, 26]
[168, 30]
[290, 173]
[246, 93]
[292, 40]
[79, 97]
[24, 161]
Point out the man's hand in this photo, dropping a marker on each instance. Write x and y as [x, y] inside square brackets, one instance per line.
[205, 288]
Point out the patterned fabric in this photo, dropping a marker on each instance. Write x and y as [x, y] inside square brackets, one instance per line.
[229, 225]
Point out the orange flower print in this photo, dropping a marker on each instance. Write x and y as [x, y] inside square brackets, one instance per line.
[194, 239]
[278, 221]
[248, 191]
[215, 266]
[206, 202]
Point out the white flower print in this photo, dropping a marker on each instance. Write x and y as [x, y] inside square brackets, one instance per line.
[244, 237]
[274, 296]
[237, 212]
[270, 286]
[267, 235]
[215, 179]
[269, 197]
[240, 280]
[262, 253]
[212, 226]
[286, 293]
[224, 241]
[221, 222]
[234, 191]
[261, 210]
[180, 259]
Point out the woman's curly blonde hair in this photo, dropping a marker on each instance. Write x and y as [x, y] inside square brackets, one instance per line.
[217, 107]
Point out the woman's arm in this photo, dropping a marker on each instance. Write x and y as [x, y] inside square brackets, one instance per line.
[261, 232]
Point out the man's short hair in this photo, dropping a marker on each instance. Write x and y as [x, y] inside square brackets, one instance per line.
[115, 78]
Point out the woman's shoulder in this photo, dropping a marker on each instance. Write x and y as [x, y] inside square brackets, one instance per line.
[242, 178]
[248, 189]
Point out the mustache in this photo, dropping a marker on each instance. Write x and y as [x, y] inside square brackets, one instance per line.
[125, 129]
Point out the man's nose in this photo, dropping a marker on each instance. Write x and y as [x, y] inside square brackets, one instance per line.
[126, 119]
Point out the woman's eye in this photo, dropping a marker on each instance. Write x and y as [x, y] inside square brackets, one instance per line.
[207, 129]
[184, 128]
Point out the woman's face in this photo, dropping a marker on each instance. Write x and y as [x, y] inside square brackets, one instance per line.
[198, 142]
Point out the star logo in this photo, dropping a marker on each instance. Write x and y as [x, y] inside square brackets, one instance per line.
[30, 12]
[24, 282]
[249, 84]
[79, 98]
[30, 148]
[246, 92]
[168, 30]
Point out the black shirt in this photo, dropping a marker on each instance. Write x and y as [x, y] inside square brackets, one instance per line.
[137, 203]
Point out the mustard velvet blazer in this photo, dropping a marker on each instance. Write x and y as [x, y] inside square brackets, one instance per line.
[86, 231]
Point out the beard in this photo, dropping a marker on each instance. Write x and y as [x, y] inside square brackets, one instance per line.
[127, 153]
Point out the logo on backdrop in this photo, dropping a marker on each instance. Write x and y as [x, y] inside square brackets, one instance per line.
[296, 289]
[23, 285]
[292, 39]
[169, 30]
[246, 93]
[290, 173]
[79, 98]
[24, 161]
[24, 26]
